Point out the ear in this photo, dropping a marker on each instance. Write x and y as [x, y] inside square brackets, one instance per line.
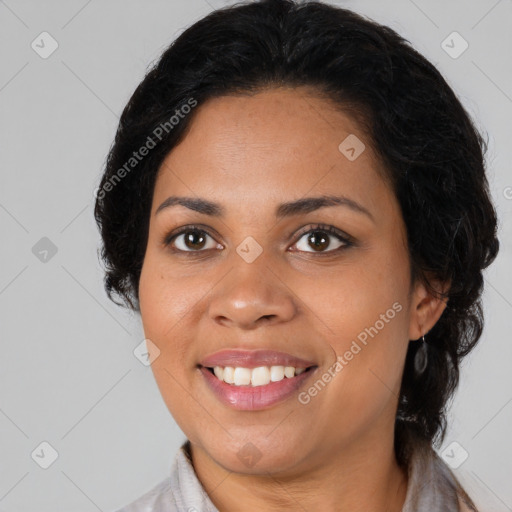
[426, 309]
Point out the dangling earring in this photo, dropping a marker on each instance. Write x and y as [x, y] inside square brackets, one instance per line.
[421, 357]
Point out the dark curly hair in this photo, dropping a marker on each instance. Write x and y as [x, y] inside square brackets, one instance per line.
[431, 150]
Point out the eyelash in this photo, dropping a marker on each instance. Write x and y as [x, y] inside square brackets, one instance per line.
[323, 228]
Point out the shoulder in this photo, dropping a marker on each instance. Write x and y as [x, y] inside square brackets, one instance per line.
[432, 485]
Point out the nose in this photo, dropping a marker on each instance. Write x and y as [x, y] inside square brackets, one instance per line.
[251, 295]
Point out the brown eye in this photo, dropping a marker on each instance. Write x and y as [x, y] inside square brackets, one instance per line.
[193, 240]
[318, 240]
[321, 240]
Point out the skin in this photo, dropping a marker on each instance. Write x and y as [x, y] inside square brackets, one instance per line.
[249, 154]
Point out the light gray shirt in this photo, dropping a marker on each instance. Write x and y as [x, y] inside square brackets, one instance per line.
[431, 488]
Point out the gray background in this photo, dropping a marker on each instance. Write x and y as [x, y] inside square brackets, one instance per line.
[68, 375]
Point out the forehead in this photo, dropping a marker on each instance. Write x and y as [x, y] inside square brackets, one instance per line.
[278, 143]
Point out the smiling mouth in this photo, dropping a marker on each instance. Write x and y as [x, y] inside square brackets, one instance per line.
[254, 377]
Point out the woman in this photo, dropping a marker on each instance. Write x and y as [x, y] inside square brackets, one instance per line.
[296, 204]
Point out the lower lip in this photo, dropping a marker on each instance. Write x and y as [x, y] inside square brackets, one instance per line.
[253, 398]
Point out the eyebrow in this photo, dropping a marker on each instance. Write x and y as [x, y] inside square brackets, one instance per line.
[289, 209]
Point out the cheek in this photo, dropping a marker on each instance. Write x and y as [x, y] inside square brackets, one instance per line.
[356, 297]
[162, 304]
[363, 312]
[164, 297]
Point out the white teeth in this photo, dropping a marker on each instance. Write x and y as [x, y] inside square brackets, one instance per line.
[242, 376]
[276, 373]
[289, 371]
[260, 376]
[229, 375]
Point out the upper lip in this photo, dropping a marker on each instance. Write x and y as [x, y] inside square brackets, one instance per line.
[253, 359]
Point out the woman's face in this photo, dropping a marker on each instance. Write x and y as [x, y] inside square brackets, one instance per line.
[254, 276]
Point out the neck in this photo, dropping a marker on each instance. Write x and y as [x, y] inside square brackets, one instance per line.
[364, 476]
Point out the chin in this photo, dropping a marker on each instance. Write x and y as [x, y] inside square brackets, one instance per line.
[256, 455]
